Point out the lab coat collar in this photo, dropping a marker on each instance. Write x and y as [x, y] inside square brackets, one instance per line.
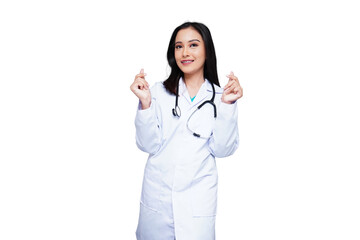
[203, 92]
[182, 87]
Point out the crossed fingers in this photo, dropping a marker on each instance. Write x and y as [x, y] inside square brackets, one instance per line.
[233, 86]
[140, 82]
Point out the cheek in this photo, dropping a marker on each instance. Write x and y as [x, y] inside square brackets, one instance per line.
[177, 59]
[177, 56]
[201, 58]
[201, 55]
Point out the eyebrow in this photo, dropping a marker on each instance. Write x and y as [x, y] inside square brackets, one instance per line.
[192, 40]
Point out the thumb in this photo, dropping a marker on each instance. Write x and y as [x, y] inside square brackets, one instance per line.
[231, 74]
[142, 71]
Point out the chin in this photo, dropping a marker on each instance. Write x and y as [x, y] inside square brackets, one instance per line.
[189, 71]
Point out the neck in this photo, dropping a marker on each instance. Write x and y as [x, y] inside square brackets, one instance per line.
[193, 83]
[194, 80]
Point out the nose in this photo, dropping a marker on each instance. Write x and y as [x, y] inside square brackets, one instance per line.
[185, 52]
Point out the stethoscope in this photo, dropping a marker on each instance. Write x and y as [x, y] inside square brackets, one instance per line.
[177, 112]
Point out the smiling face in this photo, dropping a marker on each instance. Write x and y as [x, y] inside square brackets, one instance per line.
[190, 52]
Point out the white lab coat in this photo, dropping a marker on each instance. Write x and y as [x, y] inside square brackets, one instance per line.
[179, 194]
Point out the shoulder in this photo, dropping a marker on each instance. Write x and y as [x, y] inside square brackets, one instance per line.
[218, 90]
[158, 86]
[209, 87]
[158, 89]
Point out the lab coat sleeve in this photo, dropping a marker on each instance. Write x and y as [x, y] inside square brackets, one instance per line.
[225, 138]
[148, 131]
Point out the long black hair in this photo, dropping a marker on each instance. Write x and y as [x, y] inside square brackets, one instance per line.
[210, 69]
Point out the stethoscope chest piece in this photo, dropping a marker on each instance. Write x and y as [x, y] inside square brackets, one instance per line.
[176, 111]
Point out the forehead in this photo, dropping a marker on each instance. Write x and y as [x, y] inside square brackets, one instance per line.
[187, 34]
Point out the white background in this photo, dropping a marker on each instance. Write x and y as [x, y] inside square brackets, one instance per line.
[69, 166]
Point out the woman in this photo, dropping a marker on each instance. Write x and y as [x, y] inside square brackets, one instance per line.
[179, 193]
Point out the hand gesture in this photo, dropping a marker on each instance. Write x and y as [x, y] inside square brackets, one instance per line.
[140, 87]
[232, 90]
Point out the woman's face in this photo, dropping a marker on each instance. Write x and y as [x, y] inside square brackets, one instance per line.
[190, 51]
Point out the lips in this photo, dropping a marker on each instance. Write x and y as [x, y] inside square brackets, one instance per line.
[185, 62]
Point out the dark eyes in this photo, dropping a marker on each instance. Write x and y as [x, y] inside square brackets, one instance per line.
[192, 46]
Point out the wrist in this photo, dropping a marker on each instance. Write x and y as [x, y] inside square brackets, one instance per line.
[227, 101]
[145, 104]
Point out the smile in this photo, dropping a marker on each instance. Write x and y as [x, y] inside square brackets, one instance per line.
[186, 62]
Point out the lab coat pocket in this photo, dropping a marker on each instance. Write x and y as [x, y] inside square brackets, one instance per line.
[204, 195]
[148, 224]
[148, 207]
[151, 191]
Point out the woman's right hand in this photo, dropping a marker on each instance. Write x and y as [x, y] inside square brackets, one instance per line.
[140, 87]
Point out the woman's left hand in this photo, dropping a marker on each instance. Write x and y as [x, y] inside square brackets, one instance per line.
[232, 90]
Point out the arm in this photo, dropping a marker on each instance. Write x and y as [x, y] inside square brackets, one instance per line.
[225, 138]
[148, 130]
[148, 136]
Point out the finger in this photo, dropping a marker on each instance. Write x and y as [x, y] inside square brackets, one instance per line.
[233, 77]
[230, 83]
[140, 86]
[230, 75]
[136, 85]
[230, 89]
[238, 92]
[142, 75]
[143, 82]
[228, 86]
[234, 84]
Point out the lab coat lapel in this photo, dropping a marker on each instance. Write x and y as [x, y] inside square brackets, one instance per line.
[203, 93]
[183, 91]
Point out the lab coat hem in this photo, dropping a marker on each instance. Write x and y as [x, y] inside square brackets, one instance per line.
[204, 216]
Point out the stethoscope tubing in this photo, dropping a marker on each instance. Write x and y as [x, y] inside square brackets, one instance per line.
[177, 112]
